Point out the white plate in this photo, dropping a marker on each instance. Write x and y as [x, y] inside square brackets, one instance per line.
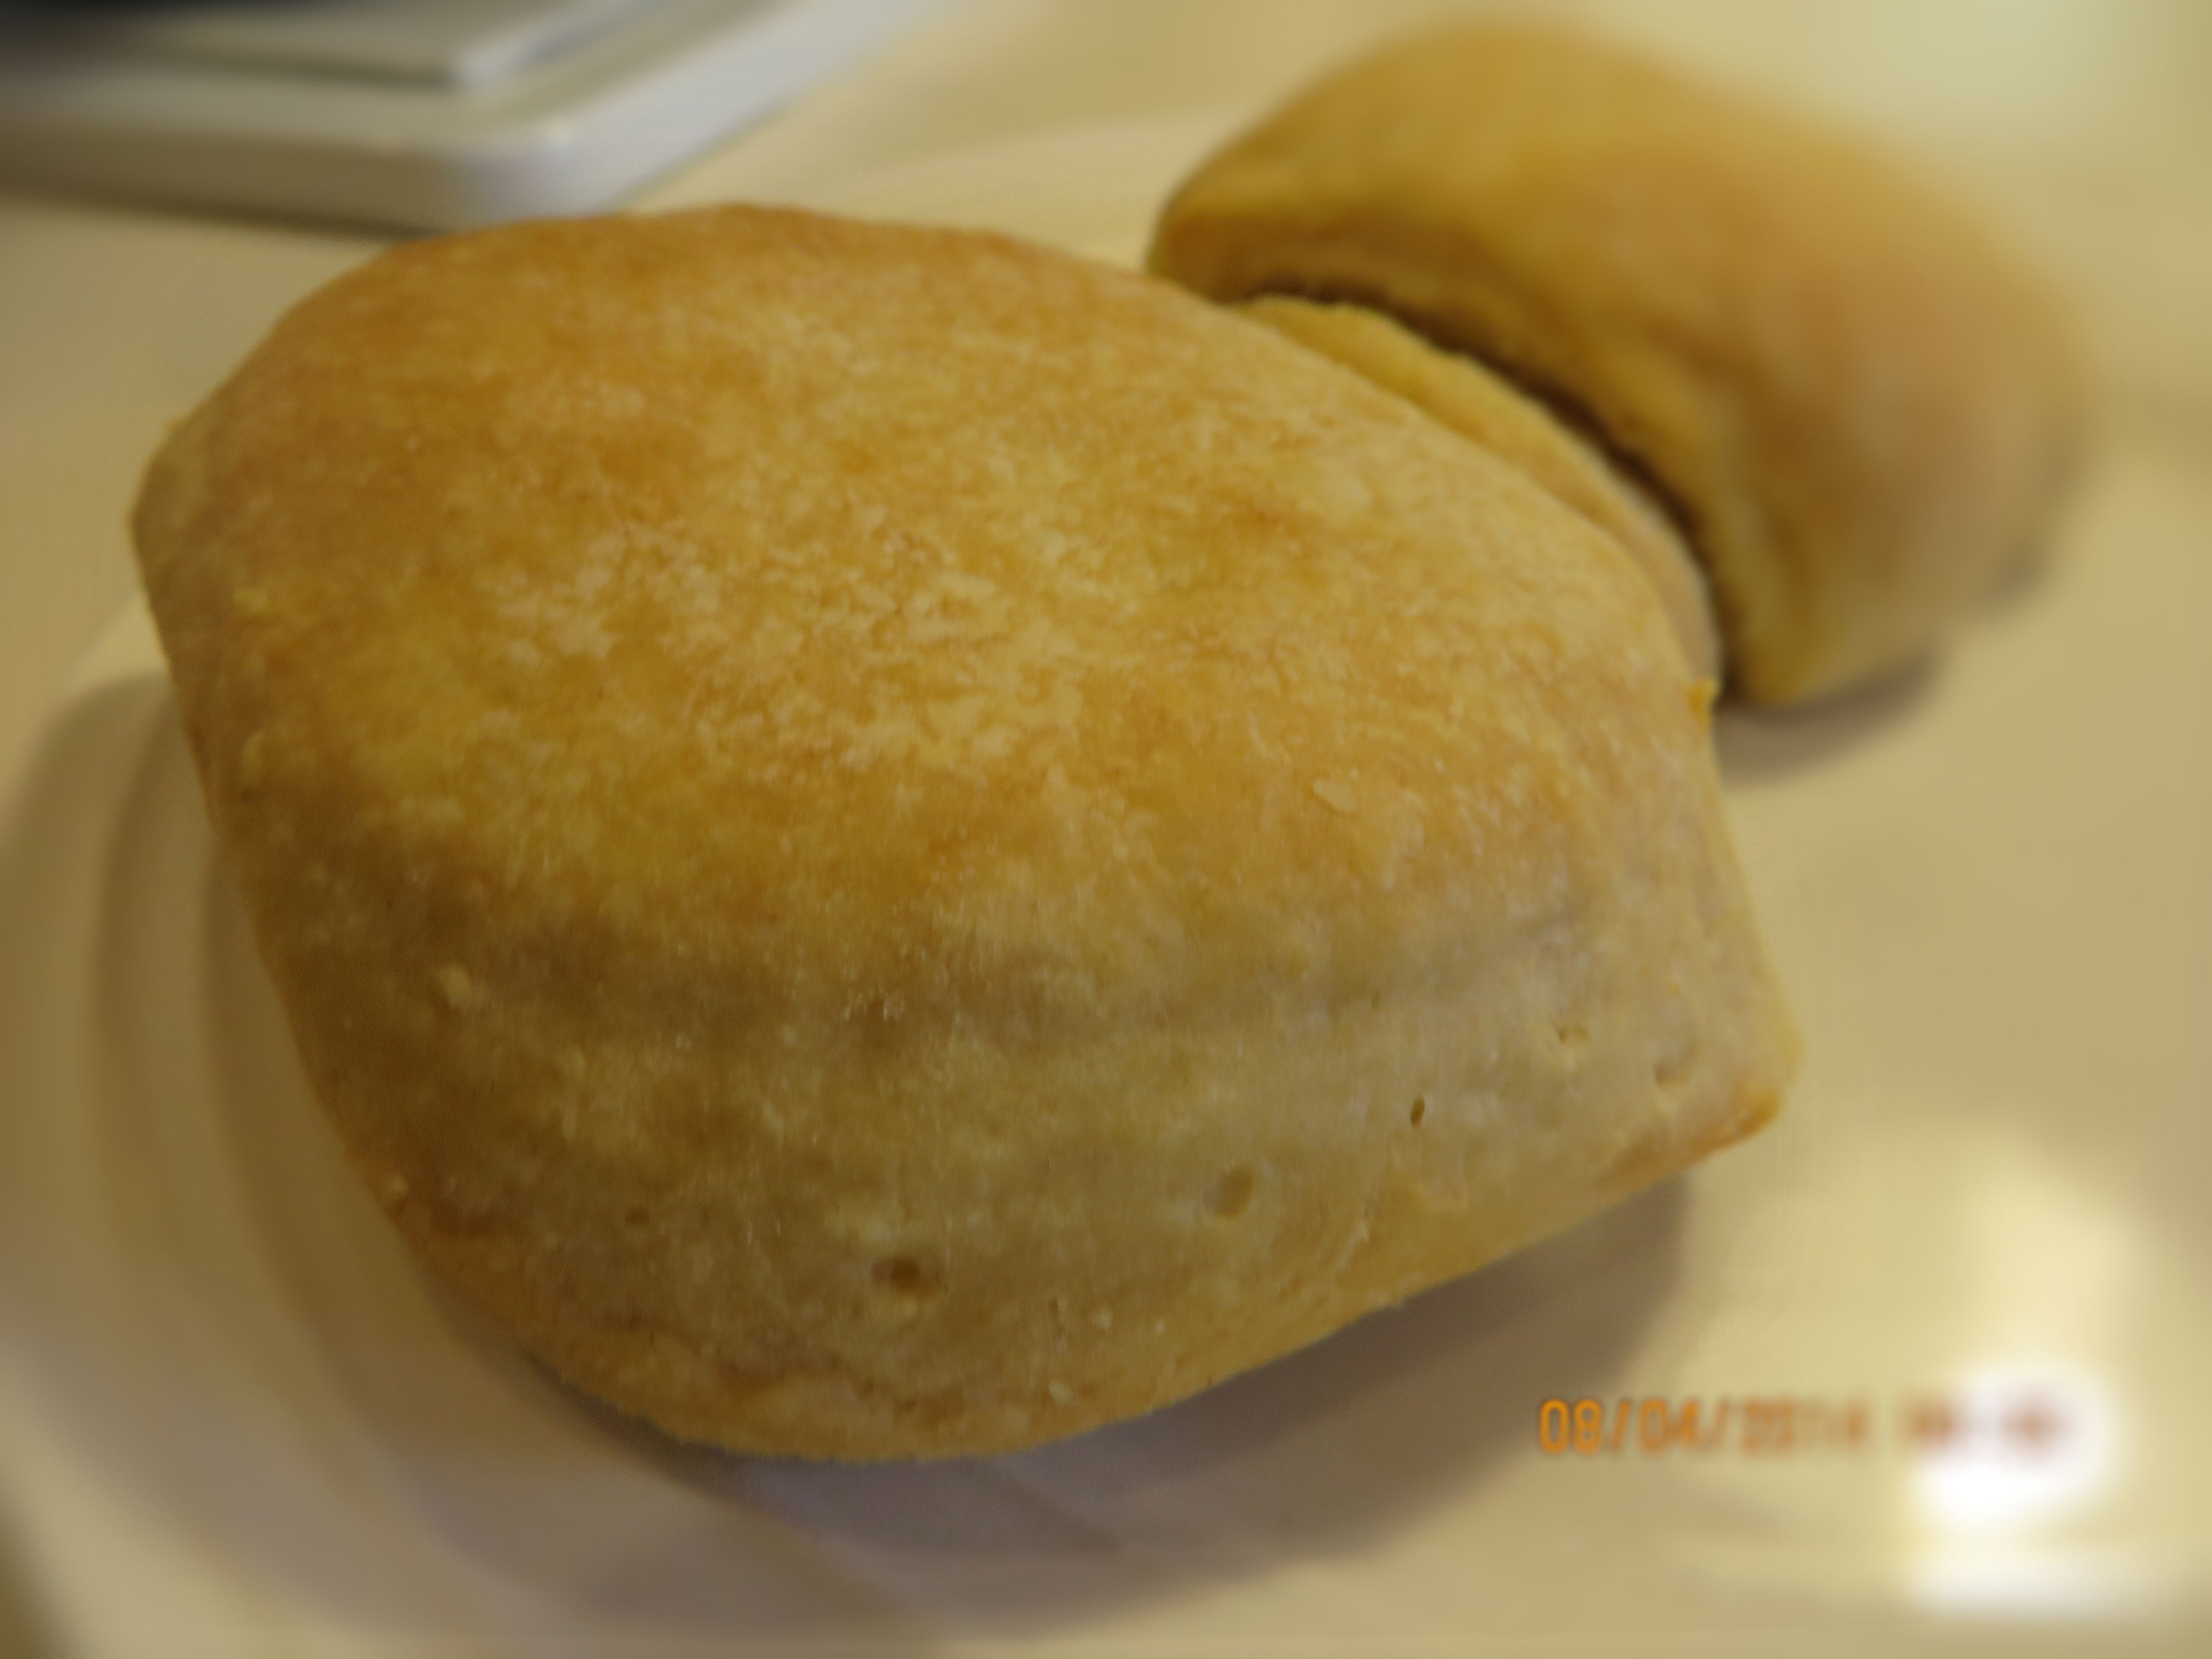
[433, 114]
[234, 1420]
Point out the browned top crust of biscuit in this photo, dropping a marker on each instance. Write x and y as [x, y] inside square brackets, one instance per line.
[1858, 403]
[1472, 400]
[888, 843]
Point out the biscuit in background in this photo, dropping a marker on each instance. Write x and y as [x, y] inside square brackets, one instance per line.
[1856, 402]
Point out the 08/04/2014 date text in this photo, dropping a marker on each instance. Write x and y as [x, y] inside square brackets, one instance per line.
[1790, 1425]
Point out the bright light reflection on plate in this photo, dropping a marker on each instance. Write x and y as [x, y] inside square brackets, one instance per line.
[2028, 1448]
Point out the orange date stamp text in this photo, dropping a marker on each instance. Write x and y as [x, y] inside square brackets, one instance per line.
[1750, 1425]
[2019, 1423]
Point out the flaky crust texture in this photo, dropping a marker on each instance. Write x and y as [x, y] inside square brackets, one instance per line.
[1477, 403]
[1858, 403]
[885, 843]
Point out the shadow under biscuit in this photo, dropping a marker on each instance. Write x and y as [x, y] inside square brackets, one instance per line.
[1756, 746]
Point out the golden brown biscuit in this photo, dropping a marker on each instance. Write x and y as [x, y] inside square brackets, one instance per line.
[1857, 404]
[886, 843]
[1472, 400]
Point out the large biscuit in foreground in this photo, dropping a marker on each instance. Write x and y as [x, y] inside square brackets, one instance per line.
[885, 843]
[1859, 405]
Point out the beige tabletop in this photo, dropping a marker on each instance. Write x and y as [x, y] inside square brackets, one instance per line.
[1988, 887]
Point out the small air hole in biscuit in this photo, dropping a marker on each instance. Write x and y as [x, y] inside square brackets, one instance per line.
[1231, 1195]
[902, 1275]
[1673, 1067]
[1571, 1034]
[1420, 1110]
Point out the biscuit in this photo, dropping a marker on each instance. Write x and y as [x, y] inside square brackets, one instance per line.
[1856, 402]
[885, 843]
[1473, 401]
